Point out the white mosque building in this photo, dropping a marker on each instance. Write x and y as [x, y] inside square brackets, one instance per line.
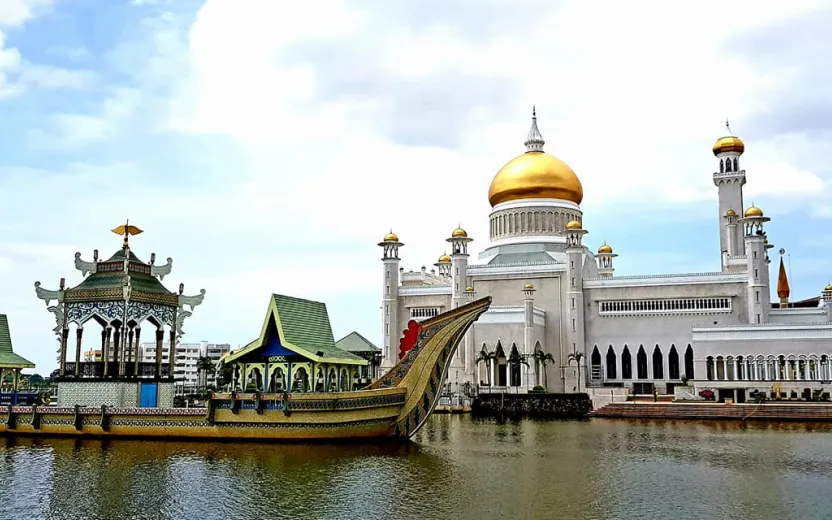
[561, 318]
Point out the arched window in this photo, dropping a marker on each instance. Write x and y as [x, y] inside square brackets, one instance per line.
[722, 166]
[689, 363]
[736, 169]
[709, 368]
[611, 372]
[500, 359]
[673, 363]
[597, 370]
[641, 363]
[626, 364]
[514, 362]
[658, 363]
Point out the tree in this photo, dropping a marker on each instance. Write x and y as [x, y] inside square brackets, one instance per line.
[576, 357]
[542, 358]
[486, 357]
[204, 368]
[226, 374]
[515, 358]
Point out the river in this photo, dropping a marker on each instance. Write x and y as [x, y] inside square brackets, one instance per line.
[459, 468]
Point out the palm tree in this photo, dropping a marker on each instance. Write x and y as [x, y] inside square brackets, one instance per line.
[515, 358]
[542, 358]
[204, 368]
[576, 357]
[486, 357]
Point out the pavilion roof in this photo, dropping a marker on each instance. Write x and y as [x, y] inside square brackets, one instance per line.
[303, 327]
[355, 342]
[8, 359]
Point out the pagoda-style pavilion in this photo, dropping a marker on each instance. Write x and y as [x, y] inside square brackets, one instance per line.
[122, 295]
[357, 344]
[295, 352]
[9, 361]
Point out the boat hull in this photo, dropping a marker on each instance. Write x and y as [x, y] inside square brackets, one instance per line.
[363, 414]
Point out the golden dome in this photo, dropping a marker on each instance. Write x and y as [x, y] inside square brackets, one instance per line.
[730, 213]
[729, 143]
[535, 175]
[459, 233]
[828, 287]
[469, 289]
[444, 259]
[528, 286]
[753, 211]
[573, 224]
[391, 237]
[605, 249]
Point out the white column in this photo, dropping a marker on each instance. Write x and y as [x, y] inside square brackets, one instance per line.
[737, 369]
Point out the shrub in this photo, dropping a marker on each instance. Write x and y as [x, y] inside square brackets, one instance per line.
[537, 390]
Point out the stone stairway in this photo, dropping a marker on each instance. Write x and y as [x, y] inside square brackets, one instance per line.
[707, 411]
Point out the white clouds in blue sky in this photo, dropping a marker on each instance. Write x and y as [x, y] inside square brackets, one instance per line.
[266, 146]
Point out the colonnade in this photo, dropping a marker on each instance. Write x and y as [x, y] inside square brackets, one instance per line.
[769, 368]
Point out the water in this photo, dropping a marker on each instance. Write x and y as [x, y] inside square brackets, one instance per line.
[459, 469]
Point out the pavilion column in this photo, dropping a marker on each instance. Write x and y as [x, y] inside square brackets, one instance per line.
[121, 343]
[172, 351]
[79, 332]
[137, 351]
[160, 338]
[129, 345]
[64, 339]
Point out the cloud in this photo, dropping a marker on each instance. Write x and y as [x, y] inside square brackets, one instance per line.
[268, 148]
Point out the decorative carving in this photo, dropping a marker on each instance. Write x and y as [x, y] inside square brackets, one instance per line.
[58, 311]
[190, 301]
[180, 319]
[139, 312]
[161, 270]
[84, 266]
[47, 295]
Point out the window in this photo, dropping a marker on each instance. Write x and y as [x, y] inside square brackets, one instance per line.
[758, 318]
[757, 294]
[386, 308]
[573, 303]
[573, 324]
[756, 273]
[702, 305]
[573, 281]
[754, 254]
[387, 328]
[572, 264]
[421, 313]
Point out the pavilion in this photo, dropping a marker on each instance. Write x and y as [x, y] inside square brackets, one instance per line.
[295, 342]
[365, 349]
[9, 361]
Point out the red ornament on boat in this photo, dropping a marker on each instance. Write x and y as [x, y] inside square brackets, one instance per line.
[408, 341]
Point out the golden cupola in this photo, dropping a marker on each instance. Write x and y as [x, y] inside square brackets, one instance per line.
[535, 175]
[728, 144]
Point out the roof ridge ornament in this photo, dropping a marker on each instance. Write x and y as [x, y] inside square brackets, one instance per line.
[126, 230]
[534, 141]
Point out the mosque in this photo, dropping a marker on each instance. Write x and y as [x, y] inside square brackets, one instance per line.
[561, 318]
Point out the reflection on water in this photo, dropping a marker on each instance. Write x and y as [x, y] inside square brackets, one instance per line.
[458, 468]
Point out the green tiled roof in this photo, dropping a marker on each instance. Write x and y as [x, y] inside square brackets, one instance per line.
[8, 359]
[304, 328]
[118, 256]
[111, 280]
[355, 342]
[305, 324]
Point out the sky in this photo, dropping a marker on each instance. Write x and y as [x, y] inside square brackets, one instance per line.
[268, 146]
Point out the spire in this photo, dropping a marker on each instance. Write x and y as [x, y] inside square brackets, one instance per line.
[728, 126]
[534, 141]
[783, 289]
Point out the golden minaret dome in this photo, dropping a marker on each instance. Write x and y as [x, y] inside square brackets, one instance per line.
[445, 259]
[535, 175]
[729, 143]
[828, 287]
[391, 237]
[753, 211]
[528, 286]
[605, 249]
[459, 233]
[730, 213]
[573, 224]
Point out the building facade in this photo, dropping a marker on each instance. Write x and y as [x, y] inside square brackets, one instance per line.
[562, 319]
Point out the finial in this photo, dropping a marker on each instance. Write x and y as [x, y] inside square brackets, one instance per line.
[534, 141]
[728, 126]
[126, 230]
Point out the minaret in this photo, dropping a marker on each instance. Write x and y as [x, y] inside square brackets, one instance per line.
[390, 301]
[469, 356]
[827, 301]
[783, 289]
[759, 296]
[528, 330]
[604, 257]
[574, 301]
[459, 265]
[729, 180]
[443, 265]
